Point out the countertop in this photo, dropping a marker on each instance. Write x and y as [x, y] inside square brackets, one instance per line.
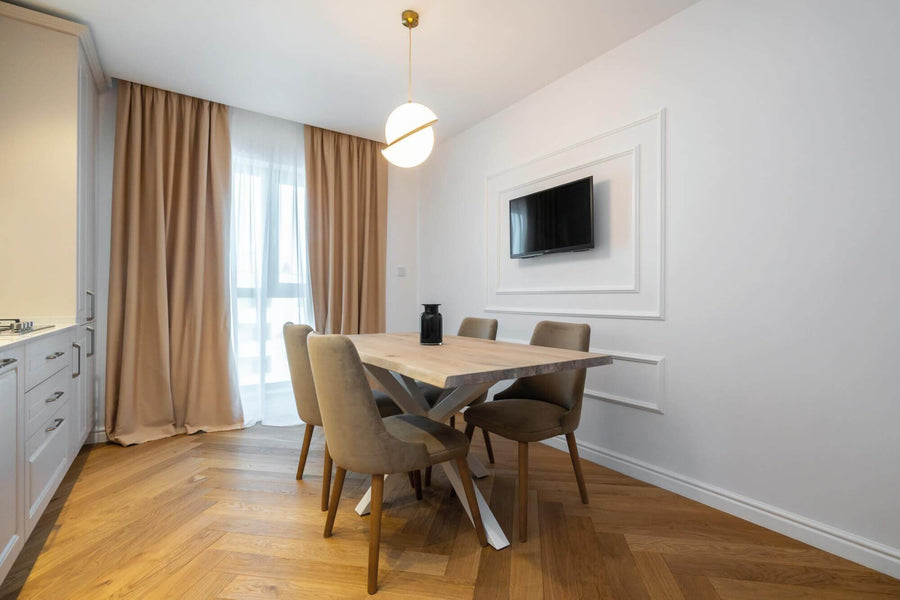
[8, 341]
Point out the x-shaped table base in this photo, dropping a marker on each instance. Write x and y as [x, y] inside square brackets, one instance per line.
[404, 391]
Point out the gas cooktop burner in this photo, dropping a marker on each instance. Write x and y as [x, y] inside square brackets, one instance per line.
[19, 327]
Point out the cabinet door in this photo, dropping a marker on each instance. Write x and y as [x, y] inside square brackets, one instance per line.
[86, 305]
[12, 462]
[48, 458]
[77, 400]
[89, 374]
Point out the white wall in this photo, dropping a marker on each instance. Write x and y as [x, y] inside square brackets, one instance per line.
[38, 170]
[402, 299]
[781, 334]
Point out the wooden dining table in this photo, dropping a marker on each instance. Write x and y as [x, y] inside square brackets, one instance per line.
[464, 368]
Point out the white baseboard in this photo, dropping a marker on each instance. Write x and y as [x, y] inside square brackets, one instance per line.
[98, 436]
[858, 549]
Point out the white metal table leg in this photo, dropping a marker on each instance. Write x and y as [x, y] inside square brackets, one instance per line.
[390, 482]
[492, 530]
[477, 467]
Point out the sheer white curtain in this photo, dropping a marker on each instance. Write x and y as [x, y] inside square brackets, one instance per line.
[269, 274]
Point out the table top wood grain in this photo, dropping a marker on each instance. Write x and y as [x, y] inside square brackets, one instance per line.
[465, 361]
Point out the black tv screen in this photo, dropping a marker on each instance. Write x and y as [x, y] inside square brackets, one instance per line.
[560, 219]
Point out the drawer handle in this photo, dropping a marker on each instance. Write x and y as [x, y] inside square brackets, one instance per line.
[78, 347]
[54, 397]
[6, 362]
[56, 424]
[55, 355]
[90, 330]
[93, 298]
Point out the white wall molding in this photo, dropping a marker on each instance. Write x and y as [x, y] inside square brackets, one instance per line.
[853, 547]
[564, 312]
[648, 359]
[495, 289]
[634, 287]
[656, 406]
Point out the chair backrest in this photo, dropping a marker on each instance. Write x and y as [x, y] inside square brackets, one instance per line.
[295, 342]
[565, 388]
[357, 438]
[472, 327]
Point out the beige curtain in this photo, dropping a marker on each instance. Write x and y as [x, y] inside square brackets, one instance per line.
[346, 189]
[169, 357]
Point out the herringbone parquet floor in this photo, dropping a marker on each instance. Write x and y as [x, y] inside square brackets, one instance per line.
[221, 516]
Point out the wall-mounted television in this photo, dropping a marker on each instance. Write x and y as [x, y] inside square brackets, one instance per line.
[558, 219]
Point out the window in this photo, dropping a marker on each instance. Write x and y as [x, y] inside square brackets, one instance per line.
[270, 275]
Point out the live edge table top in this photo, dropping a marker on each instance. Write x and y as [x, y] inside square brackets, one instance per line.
[466, 361]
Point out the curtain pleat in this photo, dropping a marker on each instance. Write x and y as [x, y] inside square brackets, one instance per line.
[169, 363]
[346, 186]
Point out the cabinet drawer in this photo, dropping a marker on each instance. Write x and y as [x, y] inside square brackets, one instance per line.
[46, 356]
[47, 452]
[45, 398]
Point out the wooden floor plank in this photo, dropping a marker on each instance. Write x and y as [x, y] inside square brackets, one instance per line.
[492, 582]
[526, 579]
[658, 578]
[221, 515]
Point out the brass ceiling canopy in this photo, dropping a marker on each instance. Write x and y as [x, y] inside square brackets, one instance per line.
[410, 18]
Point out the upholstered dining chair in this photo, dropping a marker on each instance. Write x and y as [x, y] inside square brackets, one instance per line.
[540, 407]
[362, 442]
[485, 329]
[295, 338]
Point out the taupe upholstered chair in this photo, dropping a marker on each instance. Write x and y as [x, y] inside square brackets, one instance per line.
[540, 407]
[361, 441]
[295, 337]
[485, 329]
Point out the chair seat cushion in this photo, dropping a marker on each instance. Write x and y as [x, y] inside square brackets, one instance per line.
[518, 419]
[386, 406]
[442, 441]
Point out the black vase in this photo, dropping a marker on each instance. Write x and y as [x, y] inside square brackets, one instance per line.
[431, 333]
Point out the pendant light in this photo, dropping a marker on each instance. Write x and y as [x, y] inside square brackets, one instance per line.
[408, 130]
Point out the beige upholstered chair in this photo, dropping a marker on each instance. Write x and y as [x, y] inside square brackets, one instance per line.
[361, 441]
[540, 407]
[295, 337]
[485, 329]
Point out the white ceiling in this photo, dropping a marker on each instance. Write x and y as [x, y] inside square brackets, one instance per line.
[341, 64]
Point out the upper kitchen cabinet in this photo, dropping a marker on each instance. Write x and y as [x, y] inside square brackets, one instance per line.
[51, 78]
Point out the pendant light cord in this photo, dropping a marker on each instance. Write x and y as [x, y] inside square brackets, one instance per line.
[409, 70]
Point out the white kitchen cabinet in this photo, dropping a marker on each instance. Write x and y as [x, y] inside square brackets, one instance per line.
[49, 121]
[81, 412]
[86, 304]
[42, 427]
[50, 81]
[12, 462]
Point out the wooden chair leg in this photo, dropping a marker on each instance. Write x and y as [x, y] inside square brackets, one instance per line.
[335, 498]
[304, 450]
[453, 421]
[428, 477]
[487, 445]
[417, 483]
[326, 477]
[468, 486]
[412, 481]
[576, 464]
[523, 491]
[375, 531]
[470, 429]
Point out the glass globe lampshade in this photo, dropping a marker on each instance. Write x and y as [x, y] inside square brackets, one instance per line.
[409, 134]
